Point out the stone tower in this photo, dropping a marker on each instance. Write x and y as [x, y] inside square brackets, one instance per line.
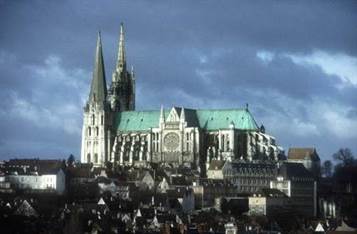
[96, 120]
[122, 89]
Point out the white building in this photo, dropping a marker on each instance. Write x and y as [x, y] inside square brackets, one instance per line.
[34, 174]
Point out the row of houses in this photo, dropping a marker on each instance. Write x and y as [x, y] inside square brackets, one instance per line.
[244, 180]
[32, 175]
[296, 178]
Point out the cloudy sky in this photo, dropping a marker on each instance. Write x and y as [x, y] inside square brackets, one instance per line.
[294, 62]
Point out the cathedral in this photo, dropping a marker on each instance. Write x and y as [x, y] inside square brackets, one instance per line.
[113, 131]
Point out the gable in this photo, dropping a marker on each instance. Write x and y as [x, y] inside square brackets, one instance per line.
[174, 115]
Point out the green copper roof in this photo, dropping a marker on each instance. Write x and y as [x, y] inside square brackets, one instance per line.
[220, 119]
[206, 119]
[137, 120]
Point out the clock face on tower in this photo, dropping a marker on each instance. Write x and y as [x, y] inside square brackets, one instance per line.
[171, 141]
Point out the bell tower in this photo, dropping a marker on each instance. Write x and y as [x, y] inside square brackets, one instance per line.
[96, 115]
[122, 89]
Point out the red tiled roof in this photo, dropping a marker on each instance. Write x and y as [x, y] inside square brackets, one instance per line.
[303, 153]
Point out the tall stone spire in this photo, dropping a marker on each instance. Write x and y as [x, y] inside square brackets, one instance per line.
[122, 88]
[121, 63]
[98, 91]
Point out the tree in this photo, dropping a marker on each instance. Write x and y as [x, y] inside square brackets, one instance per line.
[344, 156]
[70, 161]
[109, 169]
[109, 166]
[327, 168]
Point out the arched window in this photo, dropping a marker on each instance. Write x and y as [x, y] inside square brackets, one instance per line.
[95, 158]
[102, 120]
[88, 158]
[97, 131]
[89, 131]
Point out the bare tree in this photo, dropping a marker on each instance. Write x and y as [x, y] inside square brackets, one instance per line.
[344, 156]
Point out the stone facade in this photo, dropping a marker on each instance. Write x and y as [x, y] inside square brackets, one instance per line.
[299, 185]
[113, 131]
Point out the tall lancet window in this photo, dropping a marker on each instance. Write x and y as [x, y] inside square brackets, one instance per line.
[222, 143]
[93, 119]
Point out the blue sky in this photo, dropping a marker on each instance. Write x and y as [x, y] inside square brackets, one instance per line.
[294, 62]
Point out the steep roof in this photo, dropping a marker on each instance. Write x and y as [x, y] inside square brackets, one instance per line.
[206, 119]
[269, 192]
[254, 168]
[303, 153]
[42, 167]
[25, 209]
[220, 119]
[137, 120]
[294, 170]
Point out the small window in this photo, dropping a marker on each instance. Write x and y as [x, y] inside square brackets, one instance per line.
[88, 158]
[89, 131]
[97, 131]
[102, 120]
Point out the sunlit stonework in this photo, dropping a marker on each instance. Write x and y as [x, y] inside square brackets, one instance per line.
[114, 131]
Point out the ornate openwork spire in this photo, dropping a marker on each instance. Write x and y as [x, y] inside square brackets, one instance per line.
[121, 63]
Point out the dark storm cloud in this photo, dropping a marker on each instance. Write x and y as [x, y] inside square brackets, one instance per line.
[200, 54]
